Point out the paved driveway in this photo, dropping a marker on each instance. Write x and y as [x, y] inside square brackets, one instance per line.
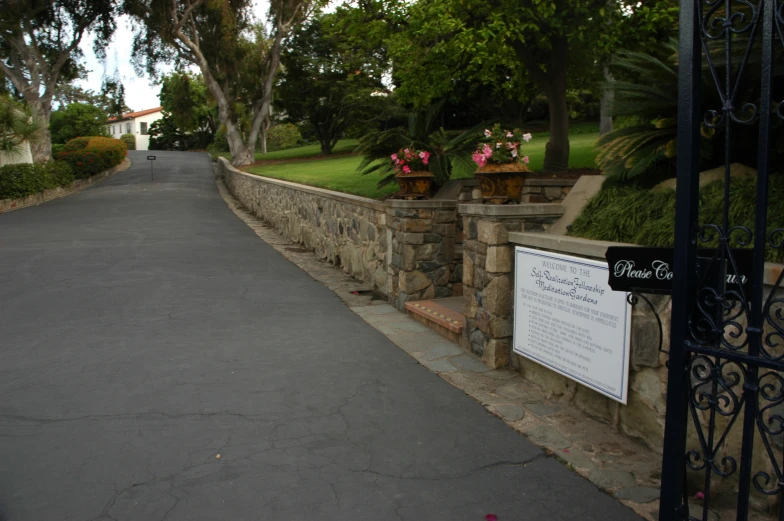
[146, 330]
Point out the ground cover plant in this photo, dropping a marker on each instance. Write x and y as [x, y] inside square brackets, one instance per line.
[637, 215]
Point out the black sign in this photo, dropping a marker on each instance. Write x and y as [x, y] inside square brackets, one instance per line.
[150, 158]
[649, 270]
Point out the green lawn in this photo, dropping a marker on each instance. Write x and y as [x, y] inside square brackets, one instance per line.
[342, 146]
[340, 173]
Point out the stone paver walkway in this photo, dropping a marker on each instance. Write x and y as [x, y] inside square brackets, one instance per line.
[161, 362]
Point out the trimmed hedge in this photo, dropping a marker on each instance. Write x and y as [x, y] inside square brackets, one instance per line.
[23, 179]
[92, 156]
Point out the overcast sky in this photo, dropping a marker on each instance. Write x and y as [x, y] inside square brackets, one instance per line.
[140, 92]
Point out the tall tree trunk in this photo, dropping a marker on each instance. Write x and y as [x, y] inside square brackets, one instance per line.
[40, 148]
[605, 105]
[552, 82]
[556, 155]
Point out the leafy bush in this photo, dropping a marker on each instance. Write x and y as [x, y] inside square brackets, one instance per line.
[77, 143]
[129, 140]
[281, 137]
[21, 180]
[77, 119]
[100, 153]
[635, 215]
[56, 148]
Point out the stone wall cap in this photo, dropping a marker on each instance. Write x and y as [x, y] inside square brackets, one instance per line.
[563, 243]
[421, 204]
[513, 210]
[323, 192]
[550, 182]
[597, 249]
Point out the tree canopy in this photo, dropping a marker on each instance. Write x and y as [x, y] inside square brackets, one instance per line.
[330, 84]
[39, 45]
[77, 119]
[238, 60]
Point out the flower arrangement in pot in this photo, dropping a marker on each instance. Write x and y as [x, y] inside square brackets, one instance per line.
[501, 165]
[412, 173]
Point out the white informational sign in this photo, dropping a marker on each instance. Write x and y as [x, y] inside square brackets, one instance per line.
[568, 319]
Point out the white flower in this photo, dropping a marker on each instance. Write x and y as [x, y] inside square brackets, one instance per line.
[509, 134]
[514, 152]
[527, 137]
[487, 133]
[498, 145]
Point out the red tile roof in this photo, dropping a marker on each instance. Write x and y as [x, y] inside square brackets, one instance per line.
[131, 115]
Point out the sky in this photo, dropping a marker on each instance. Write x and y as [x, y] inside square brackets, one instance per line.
[140, 92]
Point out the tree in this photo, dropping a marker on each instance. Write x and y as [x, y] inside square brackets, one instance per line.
[112, 97]
[328, 84]
[39, 43]
[77, 119]
[546, 42]
[187, 103]
[237, 60]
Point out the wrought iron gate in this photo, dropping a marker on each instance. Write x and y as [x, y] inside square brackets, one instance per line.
[725, 394]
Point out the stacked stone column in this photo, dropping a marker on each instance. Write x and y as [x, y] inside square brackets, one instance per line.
[421, 239]
[488, 273]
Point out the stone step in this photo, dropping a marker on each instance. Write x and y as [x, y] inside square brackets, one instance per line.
[444, 316]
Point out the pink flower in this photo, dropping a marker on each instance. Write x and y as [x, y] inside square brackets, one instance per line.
[424, 161]
[699, 495]
[514, 152]
[406, 169]
[394, 157]
[479, 158]
[491, 517]
[487, 151]
[527, 137]
[526, 160]
[487, 133]
[509, 134]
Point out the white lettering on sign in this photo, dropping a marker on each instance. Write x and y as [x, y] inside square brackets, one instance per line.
[568, 319]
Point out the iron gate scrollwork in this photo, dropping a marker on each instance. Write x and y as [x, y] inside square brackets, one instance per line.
[725, 394]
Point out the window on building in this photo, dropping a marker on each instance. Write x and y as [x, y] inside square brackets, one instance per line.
[127, 128]
[143, 129]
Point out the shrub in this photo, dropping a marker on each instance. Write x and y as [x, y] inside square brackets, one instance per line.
[57, 148]
[636, 215]
[100, 153]
[281, 137]
[21, 180]
[129, 140]
[77, 143]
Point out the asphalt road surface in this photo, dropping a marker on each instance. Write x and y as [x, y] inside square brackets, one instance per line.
[145, 330]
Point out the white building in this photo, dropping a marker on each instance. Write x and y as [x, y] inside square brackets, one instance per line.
[136, 123]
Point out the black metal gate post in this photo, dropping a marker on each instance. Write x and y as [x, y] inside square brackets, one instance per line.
[684, 261]
[726, 367]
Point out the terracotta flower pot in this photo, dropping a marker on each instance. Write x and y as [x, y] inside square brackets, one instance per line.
[501, 183]
[415, 185]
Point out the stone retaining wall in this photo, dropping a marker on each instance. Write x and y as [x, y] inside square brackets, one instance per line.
[404, 250]
[346, 230]
[546, 190]
[488, 265]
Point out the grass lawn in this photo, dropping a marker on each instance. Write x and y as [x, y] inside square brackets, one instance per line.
[340, 173]
[342, 146]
